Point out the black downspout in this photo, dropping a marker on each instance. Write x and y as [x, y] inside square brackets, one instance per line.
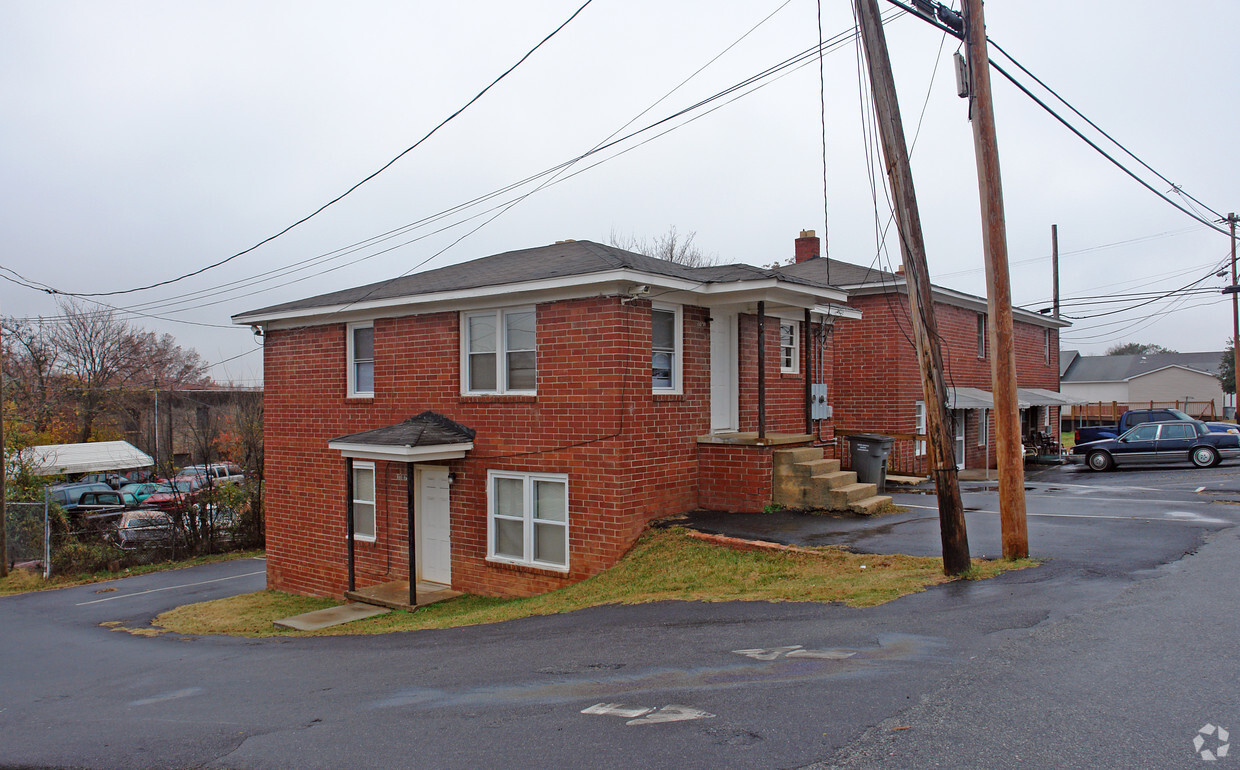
[348, 507]
[761, 370]
[413, 557]
[809, 393]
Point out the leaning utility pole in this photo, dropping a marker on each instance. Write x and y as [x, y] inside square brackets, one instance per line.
[941, 442]
[1235, 324]
[1009, 449]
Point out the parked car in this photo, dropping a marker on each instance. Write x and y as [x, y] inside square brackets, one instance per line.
[144, 528]
[1128, 420]
[183, 490]
[114, 479]
[218, 473]
[67, 495]
[1223, 427]
[146, 489]
[1159, 442]
[113, 498]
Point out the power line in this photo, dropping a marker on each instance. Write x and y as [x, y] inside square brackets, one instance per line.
[340, 197]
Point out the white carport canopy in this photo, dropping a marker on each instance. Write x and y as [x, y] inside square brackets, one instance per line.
[976, 398]
[52, 459]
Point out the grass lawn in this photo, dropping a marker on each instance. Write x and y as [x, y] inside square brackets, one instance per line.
[20, 581]
[664, 565]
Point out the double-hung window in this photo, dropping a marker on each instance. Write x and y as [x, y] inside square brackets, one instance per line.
[919, 418]
[665, 356]
[361, 351]
[789, 346]
[528, 519]
[363, 500]
[499, 351]
[981, 335]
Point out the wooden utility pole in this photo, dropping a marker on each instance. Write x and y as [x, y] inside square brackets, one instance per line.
[1235, 324]
[1009, 449]
[941, 442]
[1055, 270]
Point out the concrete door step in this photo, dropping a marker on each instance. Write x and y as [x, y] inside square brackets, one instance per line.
[332, 616]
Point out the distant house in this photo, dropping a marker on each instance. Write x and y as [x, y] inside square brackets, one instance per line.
[534, 410]
[1187, 381]
[876, 385]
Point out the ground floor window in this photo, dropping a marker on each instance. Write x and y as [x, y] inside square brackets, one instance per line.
[363, 500]
[527, 518]
[919, 419]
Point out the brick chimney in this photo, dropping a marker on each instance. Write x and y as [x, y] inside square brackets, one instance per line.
[808, 246]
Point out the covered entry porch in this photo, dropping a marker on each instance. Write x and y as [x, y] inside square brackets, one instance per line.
[421, 448]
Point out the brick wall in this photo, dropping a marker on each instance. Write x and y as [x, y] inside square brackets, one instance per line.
[630, 455]
[877, 383]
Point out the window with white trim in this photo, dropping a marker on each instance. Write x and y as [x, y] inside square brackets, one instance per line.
[665, 342]
[919, 417]
[499, 351]
[981, 335]
[527, 519]
[1046, 345]
[363, 500]
[789, 347]
[361, 353]
[983, 427]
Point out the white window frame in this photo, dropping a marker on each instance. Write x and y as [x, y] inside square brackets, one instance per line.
[363, 465]
[677, 351]
[352, 362]
[981, 335]
[528, 521]
[1046, 345]
[919, 427]
[983, 427]
[790, 355]
[501, 352]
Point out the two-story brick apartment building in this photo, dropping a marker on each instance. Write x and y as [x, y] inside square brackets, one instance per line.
[876, 386]
[534, 409]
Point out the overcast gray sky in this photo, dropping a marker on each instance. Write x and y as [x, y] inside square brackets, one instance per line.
[143, 140]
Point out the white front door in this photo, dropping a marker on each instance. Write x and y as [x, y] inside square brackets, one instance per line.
[723, 363]
[434, 526]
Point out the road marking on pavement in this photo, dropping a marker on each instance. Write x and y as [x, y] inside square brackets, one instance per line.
[795, 651]
[646, 715]
[170, 588]
[186, 693]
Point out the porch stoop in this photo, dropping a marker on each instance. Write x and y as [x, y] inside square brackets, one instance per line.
[802, 478]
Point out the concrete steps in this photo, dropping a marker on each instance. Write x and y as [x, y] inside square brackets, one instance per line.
[802, 478]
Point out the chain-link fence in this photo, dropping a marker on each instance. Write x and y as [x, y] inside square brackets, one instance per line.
[26, 534]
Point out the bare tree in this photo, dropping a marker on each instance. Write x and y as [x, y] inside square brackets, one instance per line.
[671, 246]
[99, 353]
[30, 360]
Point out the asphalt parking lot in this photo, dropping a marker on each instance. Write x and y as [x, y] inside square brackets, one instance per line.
[1115, 651]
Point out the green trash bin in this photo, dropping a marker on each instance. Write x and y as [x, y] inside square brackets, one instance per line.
[869, 452]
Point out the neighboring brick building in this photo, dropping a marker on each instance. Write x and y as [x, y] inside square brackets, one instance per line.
[876, 386]
[535, 409]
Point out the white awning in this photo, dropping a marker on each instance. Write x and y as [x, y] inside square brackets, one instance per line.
[969, 398]
[1043, 397]
[53, 459]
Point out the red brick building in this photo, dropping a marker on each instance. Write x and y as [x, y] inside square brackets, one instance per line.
[535, 409]
[875, 384]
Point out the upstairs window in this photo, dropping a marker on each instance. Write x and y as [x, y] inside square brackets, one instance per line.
[1046, 345]
[361, 352]
[789, 348]
[500, 351]
[665, 355]
[981, 335]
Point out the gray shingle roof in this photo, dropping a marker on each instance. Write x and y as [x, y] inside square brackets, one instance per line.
[426, 429]
[1120, 368]
[558, 260]
[842, 274]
